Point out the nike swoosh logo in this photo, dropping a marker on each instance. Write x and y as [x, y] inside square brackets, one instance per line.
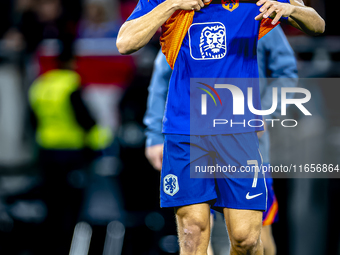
[253, 196]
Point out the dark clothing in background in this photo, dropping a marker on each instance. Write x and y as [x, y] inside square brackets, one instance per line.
[81, 112]
[35, 31]
[63, 173]
[5, 16]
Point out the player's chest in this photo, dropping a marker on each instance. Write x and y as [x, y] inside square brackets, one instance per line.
[231, 13]
[220, 26]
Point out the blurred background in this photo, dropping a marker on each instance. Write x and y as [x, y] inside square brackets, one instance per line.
[97, 193]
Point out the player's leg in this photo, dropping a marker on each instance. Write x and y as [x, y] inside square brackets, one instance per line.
[193, 222]
[269, 217]
[212, 217]
[188, 195]
[241, 191]
[268, 240]
[244, 228]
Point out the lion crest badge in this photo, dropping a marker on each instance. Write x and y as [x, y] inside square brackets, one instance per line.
[170, 184]
[230, 5]
[208, 41]
[212, 42]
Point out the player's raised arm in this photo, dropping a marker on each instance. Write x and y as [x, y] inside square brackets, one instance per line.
[136, 33]
[300, 16]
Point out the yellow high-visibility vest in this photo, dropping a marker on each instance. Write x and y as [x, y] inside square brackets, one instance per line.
[58, 129]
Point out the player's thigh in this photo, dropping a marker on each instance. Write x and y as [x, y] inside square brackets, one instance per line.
[178, 188]
[243, 186]
[243, 225]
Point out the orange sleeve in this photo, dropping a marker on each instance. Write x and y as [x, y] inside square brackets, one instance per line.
[173, 33]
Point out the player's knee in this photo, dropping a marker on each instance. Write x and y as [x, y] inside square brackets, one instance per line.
[190, 237]
[192, 231]
[244, 240]
[194, 227]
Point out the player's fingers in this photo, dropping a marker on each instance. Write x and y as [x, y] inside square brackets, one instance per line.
[192, 4]
[263, 10]
[269, 11]
[277, 17]
[259, 17]
[266, 6]
[261, 2]
[201, 4]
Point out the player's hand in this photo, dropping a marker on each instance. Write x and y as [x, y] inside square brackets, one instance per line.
[155, 155]
[260, 133]
[190, 5]
[274, 9]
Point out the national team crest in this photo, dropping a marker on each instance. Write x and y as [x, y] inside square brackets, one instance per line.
[230, 5]
[170, 184]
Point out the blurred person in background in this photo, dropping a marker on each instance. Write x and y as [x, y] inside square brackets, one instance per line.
[100, 20]
[29, 23]
[5, 16]
[36, 20]
[149, 229]
[276, 60]
[69, 139]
